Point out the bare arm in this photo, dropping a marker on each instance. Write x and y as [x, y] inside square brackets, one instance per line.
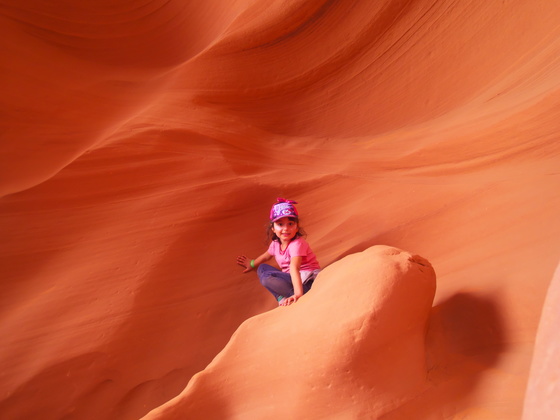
[245, 262]
[295, 265]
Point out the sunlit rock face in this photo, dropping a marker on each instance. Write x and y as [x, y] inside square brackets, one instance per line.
[354, 348]
[143, 144]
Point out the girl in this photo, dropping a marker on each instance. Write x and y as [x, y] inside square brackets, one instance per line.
[294, 256]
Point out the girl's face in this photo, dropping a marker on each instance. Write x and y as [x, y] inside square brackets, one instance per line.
[285, 229]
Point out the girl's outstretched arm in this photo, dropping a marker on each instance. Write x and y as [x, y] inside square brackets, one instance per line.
[245, 262]
[295, 265]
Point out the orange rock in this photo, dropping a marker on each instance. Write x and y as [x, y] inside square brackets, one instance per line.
[141, 146]
[541, 399]
[353, 347]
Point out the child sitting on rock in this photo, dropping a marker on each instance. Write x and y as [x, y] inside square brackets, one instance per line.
[298, 263]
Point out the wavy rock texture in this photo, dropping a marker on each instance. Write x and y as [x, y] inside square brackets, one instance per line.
[142, 144]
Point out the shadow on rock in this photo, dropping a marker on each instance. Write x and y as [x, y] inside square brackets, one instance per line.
[465, 339]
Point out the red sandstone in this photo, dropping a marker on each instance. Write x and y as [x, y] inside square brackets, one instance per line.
[142, 145]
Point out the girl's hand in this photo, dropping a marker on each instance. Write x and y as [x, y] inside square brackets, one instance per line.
[288, 301]
[243, 261]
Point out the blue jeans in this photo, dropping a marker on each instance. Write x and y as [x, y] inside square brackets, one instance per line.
[279, 283]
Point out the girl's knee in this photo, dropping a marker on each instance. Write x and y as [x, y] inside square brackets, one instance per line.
[261, 269]
[265, 270]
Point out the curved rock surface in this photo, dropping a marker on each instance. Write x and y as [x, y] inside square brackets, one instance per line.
[342, 352]
[142, 144]
[544, 384]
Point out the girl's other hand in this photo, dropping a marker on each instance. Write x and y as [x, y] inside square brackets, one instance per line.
[243, 261]
[288, 301]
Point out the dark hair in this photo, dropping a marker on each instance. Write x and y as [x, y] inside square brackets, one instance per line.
[271, 236]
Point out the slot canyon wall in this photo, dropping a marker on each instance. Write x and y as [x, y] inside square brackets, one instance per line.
[143, 143]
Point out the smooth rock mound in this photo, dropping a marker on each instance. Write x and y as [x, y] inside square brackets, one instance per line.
[353, 345]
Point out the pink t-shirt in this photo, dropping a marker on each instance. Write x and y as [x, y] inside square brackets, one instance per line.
[297, 248]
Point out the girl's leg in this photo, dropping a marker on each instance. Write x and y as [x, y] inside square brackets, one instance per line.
[276, 282]
[307, 286]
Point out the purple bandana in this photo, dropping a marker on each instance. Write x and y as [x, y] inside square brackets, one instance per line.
[283, 208]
